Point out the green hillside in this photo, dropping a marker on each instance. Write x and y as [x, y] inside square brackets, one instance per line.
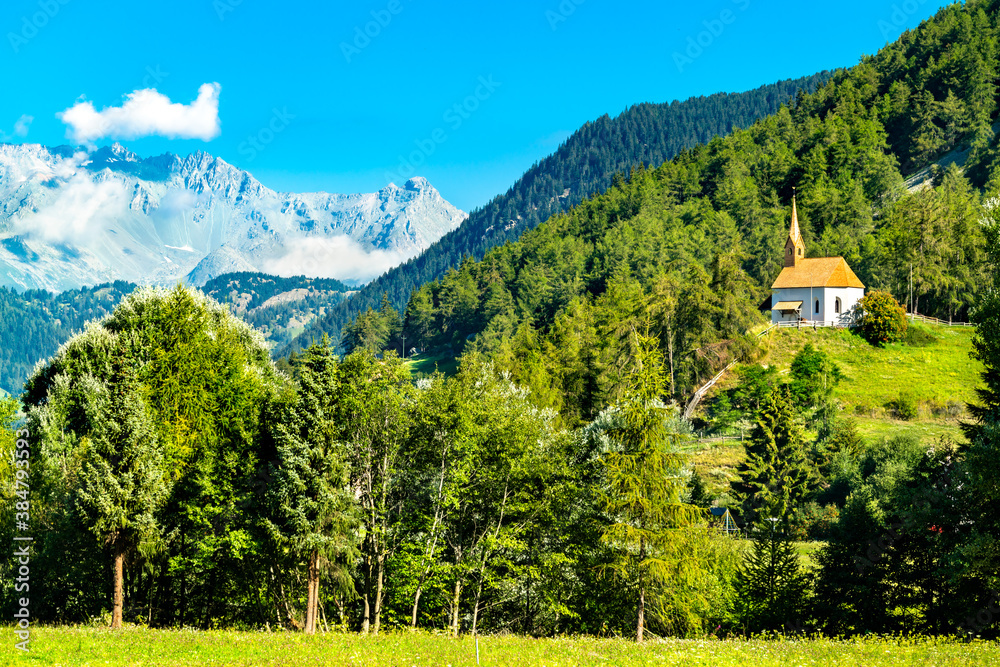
[586, 164]
[934, 371]
[690, 249]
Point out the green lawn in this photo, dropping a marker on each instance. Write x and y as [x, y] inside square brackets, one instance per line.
[423, 365]
[88, 646]
[939, 375]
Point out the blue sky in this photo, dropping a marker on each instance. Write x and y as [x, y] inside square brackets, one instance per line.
[333, 109]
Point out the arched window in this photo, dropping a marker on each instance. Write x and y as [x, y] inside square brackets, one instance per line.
[837, 307]
[817, 306]
[789, 251]
[800, 252]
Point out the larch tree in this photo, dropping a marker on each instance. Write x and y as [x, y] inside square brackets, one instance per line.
[644, 484]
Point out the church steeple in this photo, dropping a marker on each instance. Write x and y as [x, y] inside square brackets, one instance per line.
[795, 248]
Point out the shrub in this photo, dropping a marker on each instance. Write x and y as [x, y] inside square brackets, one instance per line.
[882, 320]
[903, 407]
[918, 337]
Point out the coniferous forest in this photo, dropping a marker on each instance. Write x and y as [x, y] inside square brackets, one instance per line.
[181, 478]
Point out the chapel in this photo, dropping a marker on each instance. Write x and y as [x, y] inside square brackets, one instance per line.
[821, 290]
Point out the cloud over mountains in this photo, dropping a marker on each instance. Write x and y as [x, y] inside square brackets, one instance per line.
[146, 113]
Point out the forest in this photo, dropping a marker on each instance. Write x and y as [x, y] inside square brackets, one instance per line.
[584, 165]
[692, 247]
[179, 477]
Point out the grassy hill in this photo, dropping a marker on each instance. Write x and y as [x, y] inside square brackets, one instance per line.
[932, 370]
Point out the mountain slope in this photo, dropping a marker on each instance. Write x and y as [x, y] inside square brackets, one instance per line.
[70, 218]
[34, 323]
[645, 134]
[688, 250]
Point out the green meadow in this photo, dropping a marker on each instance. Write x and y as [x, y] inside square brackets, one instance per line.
[169, 648]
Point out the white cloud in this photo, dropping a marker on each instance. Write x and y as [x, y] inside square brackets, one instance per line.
[79, 210]
[338, 257]
[21, 127]
[146, 113]
[176, 203]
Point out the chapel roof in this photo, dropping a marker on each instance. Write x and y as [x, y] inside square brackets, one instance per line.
[818, 272]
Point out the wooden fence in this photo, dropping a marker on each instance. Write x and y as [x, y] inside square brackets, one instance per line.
[934, 320]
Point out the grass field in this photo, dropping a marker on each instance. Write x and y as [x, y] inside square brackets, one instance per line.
[938, 375]
[423, 365]
[89, 646]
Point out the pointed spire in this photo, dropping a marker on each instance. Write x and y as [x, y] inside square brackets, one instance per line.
[795, 233]
[795, 247]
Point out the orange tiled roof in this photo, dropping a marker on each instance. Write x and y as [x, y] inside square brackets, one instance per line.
[818, 272]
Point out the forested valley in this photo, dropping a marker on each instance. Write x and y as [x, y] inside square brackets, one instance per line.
[181, 478]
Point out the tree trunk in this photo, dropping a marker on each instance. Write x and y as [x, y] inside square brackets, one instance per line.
[640, 626]
[438, 515]
[641, 620]
[379, 592]
[670, 356]
[366, 622]
[416, 604]
[455, 627]
[119, 594]
[312, 596]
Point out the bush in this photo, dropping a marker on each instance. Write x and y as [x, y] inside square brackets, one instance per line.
[882, 320]
[903, 407]
[918, 337]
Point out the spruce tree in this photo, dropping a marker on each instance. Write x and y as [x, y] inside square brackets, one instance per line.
[771, 586]
[776, 474]
[983, 452]
[312, 511]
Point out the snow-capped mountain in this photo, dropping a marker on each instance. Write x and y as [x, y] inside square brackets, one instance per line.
[71, 218]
